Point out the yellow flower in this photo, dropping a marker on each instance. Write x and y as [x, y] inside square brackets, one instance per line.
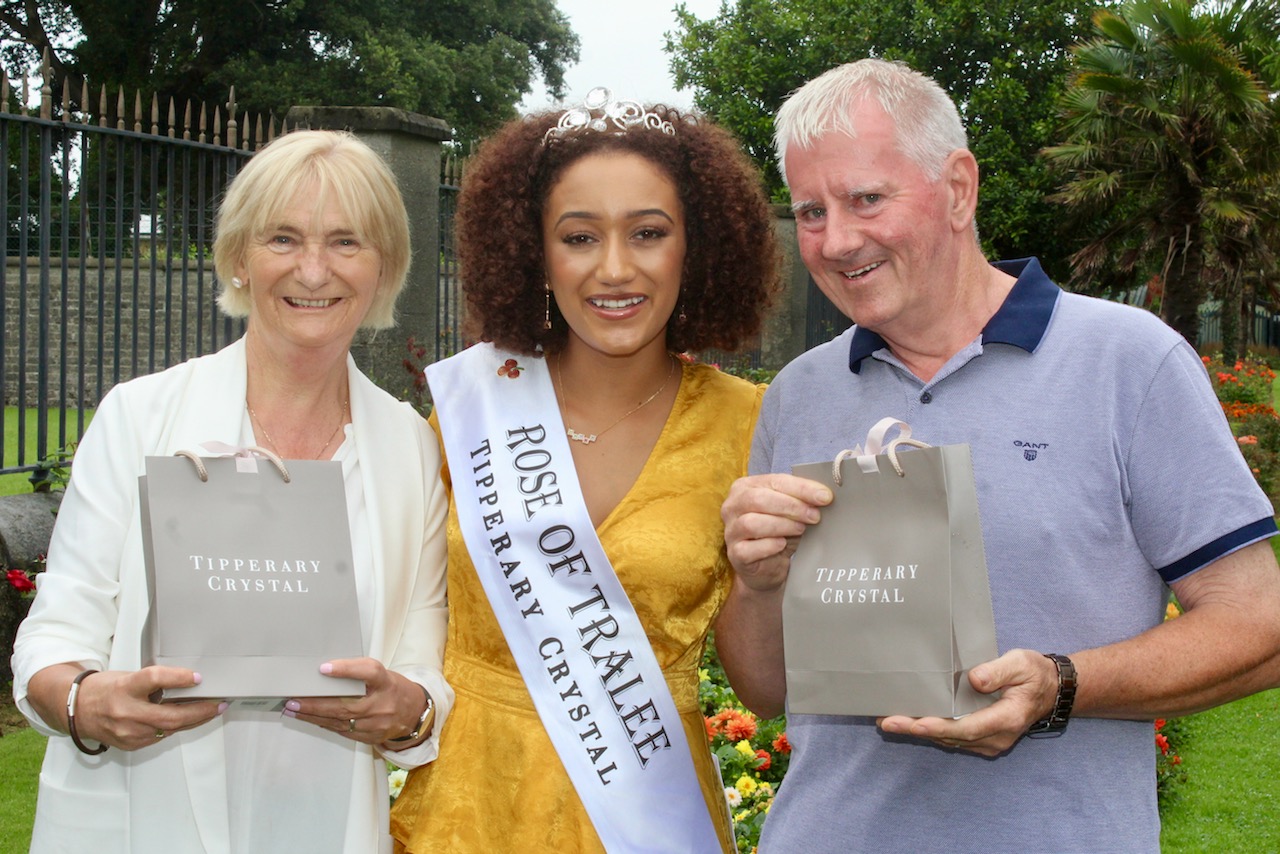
[745, 785]
[744, 747]
[704, 675]
[1171, 611]
[742, 816]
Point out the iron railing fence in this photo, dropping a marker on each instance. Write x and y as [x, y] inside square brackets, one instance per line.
[107, 223]
[449, 307]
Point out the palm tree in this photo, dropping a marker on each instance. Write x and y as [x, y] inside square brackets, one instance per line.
[1170, 124]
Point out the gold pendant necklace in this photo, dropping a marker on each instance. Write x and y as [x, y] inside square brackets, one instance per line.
[586, 438]
[254, 419]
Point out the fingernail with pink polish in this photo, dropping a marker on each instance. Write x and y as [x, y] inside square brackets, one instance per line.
[197, 678]
[293, 705]
[326, 668]
[288, 713]
[222, 707]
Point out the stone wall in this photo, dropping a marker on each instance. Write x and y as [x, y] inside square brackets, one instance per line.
[107, 321]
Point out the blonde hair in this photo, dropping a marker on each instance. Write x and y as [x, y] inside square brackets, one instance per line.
[927, 122]
[333, 162]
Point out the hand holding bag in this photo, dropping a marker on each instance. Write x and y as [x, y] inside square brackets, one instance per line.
[887, 606]
[250, 574]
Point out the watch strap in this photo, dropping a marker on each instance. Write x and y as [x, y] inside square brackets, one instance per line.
[1055, 723]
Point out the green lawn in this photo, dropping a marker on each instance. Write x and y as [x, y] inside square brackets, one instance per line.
[13, 484]
[21, 751]
[1231, 798]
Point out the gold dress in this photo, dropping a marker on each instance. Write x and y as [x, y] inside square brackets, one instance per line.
[498, 784]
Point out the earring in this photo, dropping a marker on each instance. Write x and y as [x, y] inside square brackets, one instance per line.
[682, 317]
[236, 282]
[546, 317]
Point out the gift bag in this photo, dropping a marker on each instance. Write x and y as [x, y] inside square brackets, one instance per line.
[887, 607]
[249, 574]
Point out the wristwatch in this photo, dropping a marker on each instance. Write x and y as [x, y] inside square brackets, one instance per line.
[1055, 723]
[425, 722]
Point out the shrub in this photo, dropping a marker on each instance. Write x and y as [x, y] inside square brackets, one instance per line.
[1247, 381]
[1245, 390]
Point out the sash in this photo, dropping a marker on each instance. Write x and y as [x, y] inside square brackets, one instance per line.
[580, 647]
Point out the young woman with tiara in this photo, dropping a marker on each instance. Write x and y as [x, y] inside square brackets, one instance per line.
[586, 462]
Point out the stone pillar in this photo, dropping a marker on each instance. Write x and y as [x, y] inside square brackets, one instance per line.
[783, 337]
[410, 143]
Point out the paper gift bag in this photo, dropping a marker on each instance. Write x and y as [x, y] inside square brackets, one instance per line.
[250, 574]
[887, 607]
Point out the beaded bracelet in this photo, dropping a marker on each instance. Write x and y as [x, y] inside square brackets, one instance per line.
[71, 716]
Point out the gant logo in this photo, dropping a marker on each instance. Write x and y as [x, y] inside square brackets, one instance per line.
[1030, 449]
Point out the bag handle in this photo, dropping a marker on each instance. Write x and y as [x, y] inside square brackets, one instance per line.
[875, 444]
[221, 449]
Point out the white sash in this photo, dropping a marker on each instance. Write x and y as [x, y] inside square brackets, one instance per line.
[576, 638]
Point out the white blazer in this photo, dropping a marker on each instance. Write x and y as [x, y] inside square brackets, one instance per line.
[92, 604]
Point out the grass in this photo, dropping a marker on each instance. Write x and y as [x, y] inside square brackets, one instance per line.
[21, 751]
[1231, 799]
[13, 484]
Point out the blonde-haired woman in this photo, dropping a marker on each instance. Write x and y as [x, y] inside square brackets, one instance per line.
[312, 244]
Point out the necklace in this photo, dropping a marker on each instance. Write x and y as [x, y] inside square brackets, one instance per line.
[342, 419]
[587, 439]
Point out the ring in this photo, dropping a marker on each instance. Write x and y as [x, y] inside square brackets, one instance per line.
[160, 733]
[351, 725]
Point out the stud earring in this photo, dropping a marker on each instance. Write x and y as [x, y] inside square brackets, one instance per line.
[237, 282]
[546, 317]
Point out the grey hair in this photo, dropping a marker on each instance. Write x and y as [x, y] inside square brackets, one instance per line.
[927, 122]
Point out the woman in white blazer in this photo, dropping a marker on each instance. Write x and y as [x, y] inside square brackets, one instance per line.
[312, 244]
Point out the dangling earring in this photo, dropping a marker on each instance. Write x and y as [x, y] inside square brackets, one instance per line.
[546, 317]
[681, 316]
[236, 282]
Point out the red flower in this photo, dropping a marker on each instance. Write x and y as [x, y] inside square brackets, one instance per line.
[781, 744]
[1162, 743]
[19, 580]
[765, 760]
[1175, 760]
[1159, 724]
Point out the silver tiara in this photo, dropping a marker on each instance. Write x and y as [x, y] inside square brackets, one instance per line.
[600, 112]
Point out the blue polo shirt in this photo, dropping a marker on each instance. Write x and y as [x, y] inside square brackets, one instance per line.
[1105, 468]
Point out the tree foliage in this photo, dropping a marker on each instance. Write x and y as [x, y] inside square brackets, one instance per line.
[1003, 61]
[1170, 153]
[465, 61]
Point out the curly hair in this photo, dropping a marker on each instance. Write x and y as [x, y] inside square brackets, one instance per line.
[731, 264]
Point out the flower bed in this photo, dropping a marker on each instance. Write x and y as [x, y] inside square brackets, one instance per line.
[1245, 388]
[753, 754]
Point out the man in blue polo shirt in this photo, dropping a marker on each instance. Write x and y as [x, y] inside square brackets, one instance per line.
[1105, 471]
